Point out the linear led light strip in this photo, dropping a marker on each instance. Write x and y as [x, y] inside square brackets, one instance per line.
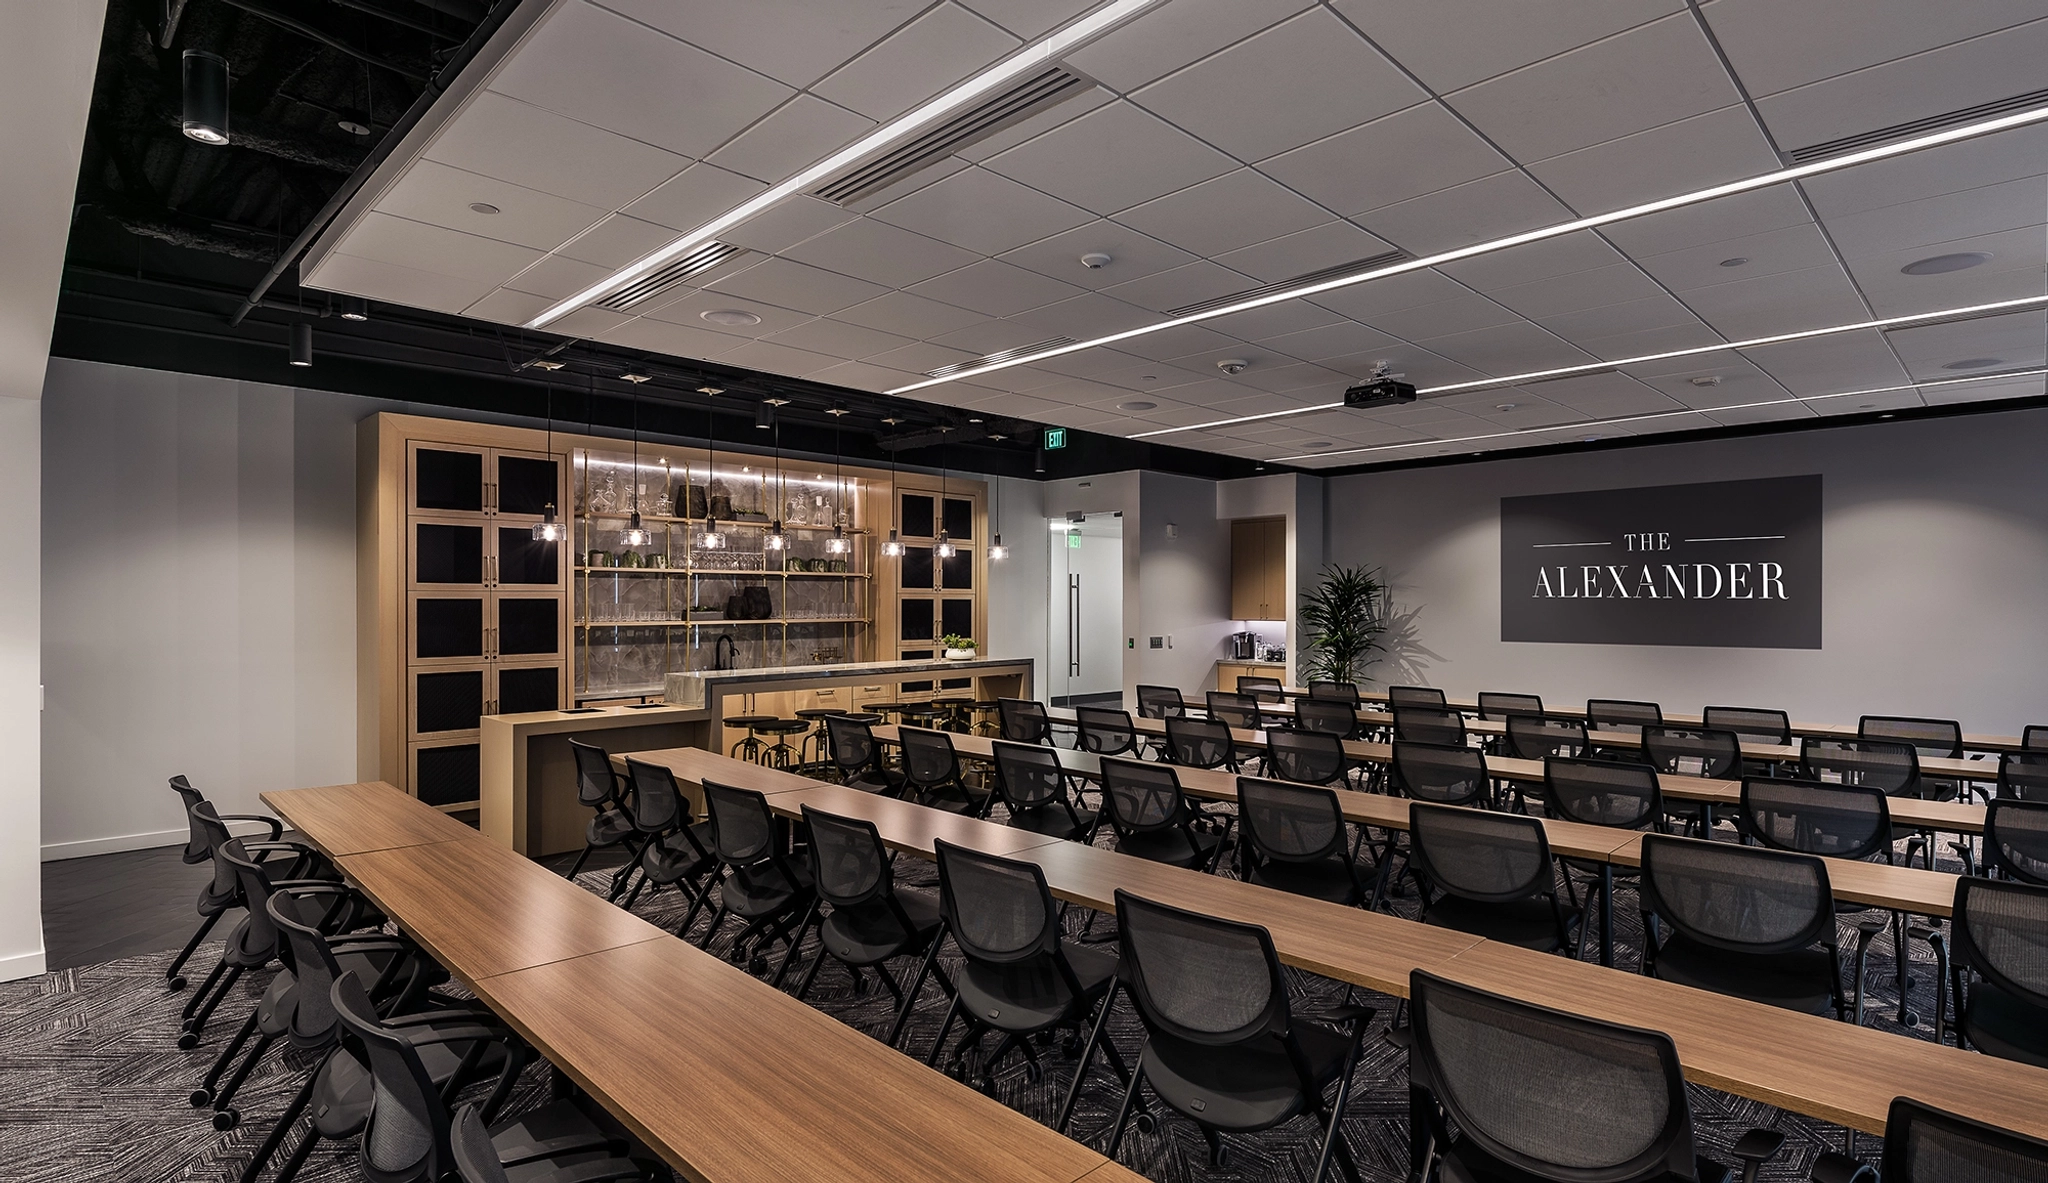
[2002, 376]
[1029, 58]
[1589, 367]
[1902, 147]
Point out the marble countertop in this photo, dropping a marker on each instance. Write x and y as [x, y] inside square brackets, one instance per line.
[688, 689]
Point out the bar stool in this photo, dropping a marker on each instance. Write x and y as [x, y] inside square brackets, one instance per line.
[953, 711]
[984, 710]
[920, 714]
[818, 735]
[779, 753]
[750, 747]
[886, 710]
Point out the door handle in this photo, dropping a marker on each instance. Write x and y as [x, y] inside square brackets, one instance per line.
[1073, 626]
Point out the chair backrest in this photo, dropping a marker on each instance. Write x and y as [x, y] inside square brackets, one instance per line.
[595, 786]
[1535, 737]
[2035, 737]
[1428, 724]
[998, 910]
[204, 820]
[1238, 710]
[1027, 775]
[1447, 774]
[1199, 743]
[1551, 1095]
[1496, 706]
[408, 1130]
[1199, 978]
[2016, 838]
[1331, 716]
[1693, 751]
[256, 940]
[1415, 696]
[1602, 792]
[1477, 855]
[1160, 702]
[1813, 817]
[1923, 1144]
[1882, 764]
[1023, 721]
[742, 827]
[1310, 757]
[658, 803]
[296, 913]
[1289, 822]
[1621, 714]
[1750, 724]
[854, 750]
[848, 861]
[476, 1159]
[1744, 899]
[1930, 737]
[1345, 692]
[1141, 795]
[2023, 776]
[1999, 932]
[1106, 731]
[1261, 687]
[928, 757]
[197, 850]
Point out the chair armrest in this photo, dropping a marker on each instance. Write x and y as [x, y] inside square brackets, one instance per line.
[1758, 1145]
[446, 1015]
[1401, 1037]
[471, 1033]
[276, 825]
[1349, 1013]
[1840, 1168]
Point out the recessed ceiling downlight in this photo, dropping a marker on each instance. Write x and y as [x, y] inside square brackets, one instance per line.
[1943, 264]
[482, 207]
[1737, 261]
[730, 316]
[1975, 363]
[1136, 405]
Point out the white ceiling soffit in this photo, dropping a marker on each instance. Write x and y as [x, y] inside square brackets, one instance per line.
[1206, 159]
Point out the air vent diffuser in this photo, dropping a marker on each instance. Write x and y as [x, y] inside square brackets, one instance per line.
[1279, 285]
[1918, 127]
[961, 367]
[697, 262]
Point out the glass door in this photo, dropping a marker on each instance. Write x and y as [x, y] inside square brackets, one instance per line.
[1084, 611]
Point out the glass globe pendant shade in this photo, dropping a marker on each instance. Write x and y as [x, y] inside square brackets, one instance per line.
[892, 548]
[636, 534]
[997, 552]
[776, 539]
[839, 543]
[945, 548]
[547, 529]
[712, 538]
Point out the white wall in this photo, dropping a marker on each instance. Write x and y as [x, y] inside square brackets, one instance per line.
[1017, 588]
[1186, 584]
[1935, 544]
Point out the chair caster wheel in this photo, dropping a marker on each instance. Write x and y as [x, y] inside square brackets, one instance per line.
[1221, 1157]
[1911, 1021]
[1070, 1047]
[1146, 1123]
[1033, 1073]
[176, 984]
[757, 964]
[188, 1041]
[201, 1098]
[227, 1119]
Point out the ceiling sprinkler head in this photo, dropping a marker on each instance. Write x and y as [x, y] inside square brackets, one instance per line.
[1233, 365]
[1095, 260]
[1706, 380]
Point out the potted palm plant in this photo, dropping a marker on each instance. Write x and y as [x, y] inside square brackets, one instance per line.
[1342, 621]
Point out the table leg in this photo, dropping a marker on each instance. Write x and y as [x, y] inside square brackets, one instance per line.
[1607, 915]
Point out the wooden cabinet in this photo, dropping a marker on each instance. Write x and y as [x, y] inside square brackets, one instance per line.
[1228, 672]
[1258, 569]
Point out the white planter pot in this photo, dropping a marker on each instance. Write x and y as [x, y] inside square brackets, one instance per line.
[960, 655]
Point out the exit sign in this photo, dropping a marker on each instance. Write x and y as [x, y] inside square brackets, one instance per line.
[1055, 437]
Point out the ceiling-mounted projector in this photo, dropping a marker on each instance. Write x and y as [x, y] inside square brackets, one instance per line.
[1379, 392]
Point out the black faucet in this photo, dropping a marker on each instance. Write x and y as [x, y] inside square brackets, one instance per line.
[725, 653]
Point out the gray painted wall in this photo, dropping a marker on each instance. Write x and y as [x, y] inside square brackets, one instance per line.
[1936, 574]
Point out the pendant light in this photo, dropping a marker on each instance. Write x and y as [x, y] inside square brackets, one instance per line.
[206, 98]
[997, 552]
[945, 548]
[839, 543]
[776, 539]
[712, 538]
[547, 529]
[892, 549]
[636, 534]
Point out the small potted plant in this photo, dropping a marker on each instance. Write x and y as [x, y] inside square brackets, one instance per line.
[958, 648]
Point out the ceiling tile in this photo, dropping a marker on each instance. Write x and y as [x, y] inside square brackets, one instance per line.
[982, 211]
[776, 359]
[1975, 392]
[931, 170]
[1790, 248]
[672, 339]
[1634, 342]
[1073, 161]
[504, 307]
[1650, 75]
[789, 284]
[594, 66]
[699, 194]
[795, 136]
[1306, 78]
[1407, 154]
[860, 375]
[1086, 316]
[1681, 157]
[1629, 316]
[689, 308]
[1987, 209]
[1461, 313]
[1579, 291]
[437, 249]
[1234, 210]
[1968, 164]
[1733, 384]
[396, 283]
[1603, 395]
[1070, 108]
[1261, 325]
[838, 339]
[1491, 38]
[995, 288]
[441, 195]
[2012, 274]
[1174, 34]
[917, 62]
[989, 336]
[1710, 222]
[1822, 365]
[1376, 297]
[797, 41]
[1891, 400]
[557, 277]
[920, 357]
[1030, 18]
[1131, 255]
[1569, 254]
[1167, 344]
[1771, 53]
[1776, 413]
[1789, 300]
[617, 241]
[2014, 341]
[1341, 340]
[1493, 207]
[881, 253]
[588, 322]
[1304, 251]
[788, 222]
[909, 315]
[502, 137]
[1948, 79]
[1198, 281]
[1507, 349]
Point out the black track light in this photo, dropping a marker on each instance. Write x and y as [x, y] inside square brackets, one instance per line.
[302, 343]
[355, 308]
[764, 415]
[206, 97]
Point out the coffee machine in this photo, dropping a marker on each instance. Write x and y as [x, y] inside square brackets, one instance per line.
[1244, 646]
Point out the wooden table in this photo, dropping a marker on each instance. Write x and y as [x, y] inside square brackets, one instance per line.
[727, 1078]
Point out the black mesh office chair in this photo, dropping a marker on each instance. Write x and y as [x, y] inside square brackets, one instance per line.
[1144, 805]
[1509, 1092]
[1310, 757]
[1160, 702]
[1535, 737]
[1238, 710]
[677, 848]
[1890, 766]
[1037, 794]
[931, 773]
[1428, 724]
[477, 1156]
[1496, 707]
[2016, 839]
[1344, 692]
[1328, 715]
[1692, 751]
[757, 882]
[857, 757]
[1293, 837]
[2035, 737]
[1488, 874]
[218, 897]
[872, 920]
[1023, 721]
[1930, 737]
[603, 791]
[1445, 774]
[1623, 715]
[2000, 969]
[1750, 724]
[1624, 796]
[1262, 688]
[1745, 921]
[1106, 731]
[1923, 1144]
[1200, 743]
[2023, 776]
[1019, 977]
[1415, 696]
[1222, 1045]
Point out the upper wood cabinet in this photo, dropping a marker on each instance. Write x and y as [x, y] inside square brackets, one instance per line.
[1258, 569]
